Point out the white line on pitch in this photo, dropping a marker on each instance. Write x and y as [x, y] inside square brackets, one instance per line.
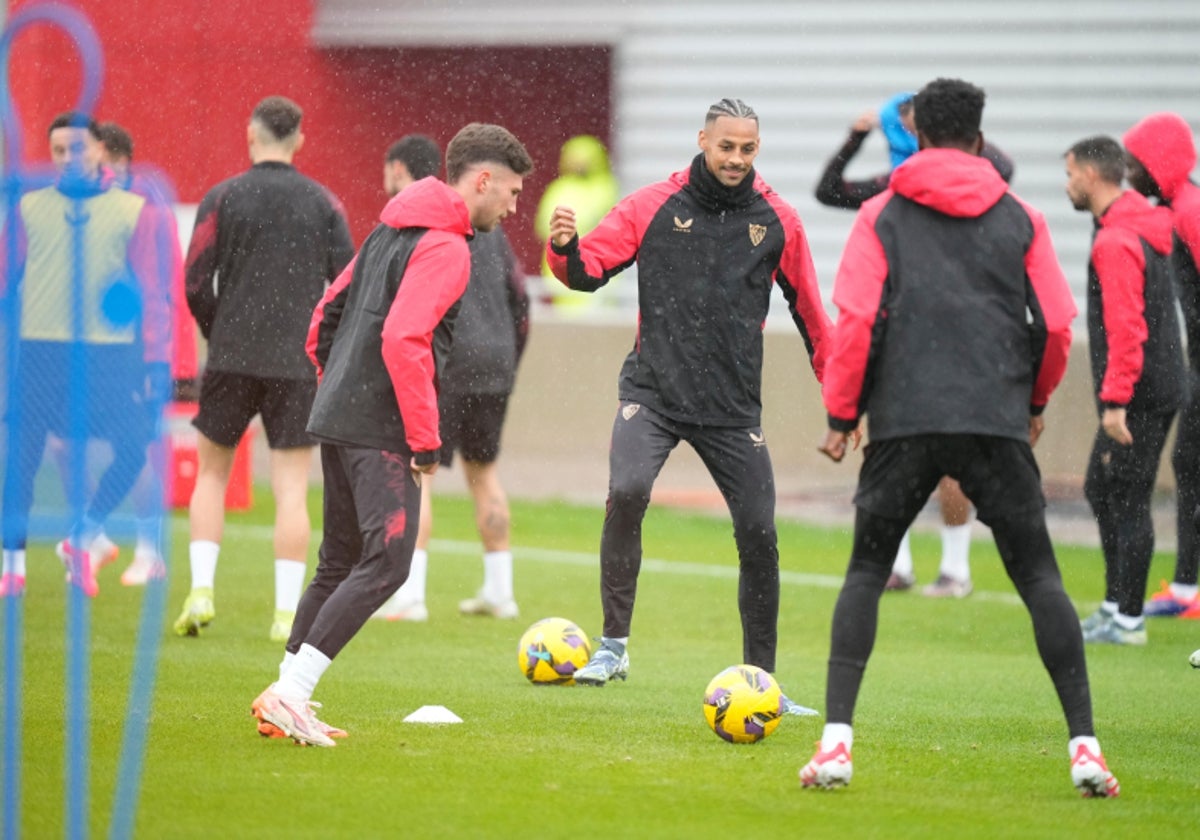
[649, 564]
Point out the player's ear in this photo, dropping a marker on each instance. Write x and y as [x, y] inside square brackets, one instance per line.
[483, 179]
[700, 139]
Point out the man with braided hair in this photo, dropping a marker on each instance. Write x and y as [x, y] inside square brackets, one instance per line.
[709, 242]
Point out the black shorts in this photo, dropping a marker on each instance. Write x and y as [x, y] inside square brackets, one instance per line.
[471, 424]
[999, 475]
[229, 401]
[108, 391]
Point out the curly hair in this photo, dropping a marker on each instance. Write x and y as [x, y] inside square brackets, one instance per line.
[948, 112]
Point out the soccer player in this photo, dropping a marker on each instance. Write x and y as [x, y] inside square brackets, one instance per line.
[92, 351]
[266, 245]
[473, 390]
[1161, 155]
[1137, 376]
[376, 338]
[147, 492]
[895, 121]
[946, 250]
[709, 242]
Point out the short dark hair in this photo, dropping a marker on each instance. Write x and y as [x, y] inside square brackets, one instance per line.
[948, 112]
[74, 119]
[485, 143]
[278, 115]
[729, 107]
[420, 155]
[1102, 152]
[117, 141]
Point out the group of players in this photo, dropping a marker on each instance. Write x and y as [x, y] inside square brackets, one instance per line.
[944, 248]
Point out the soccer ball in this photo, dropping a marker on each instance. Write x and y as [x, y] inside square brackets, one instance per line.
[552, 650]
[743, 704]
[1195, 659]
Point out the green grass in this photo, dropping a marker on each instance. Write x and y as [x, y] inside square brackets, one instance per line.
[958, 732]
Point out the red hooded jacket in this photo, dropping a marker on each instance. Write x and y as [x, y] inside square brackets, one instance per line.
[954, 315]
[1163, 144]
[380, 332]
[1133, 331]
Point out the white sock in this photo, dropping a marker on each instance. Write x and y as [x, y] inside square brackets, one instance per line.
[203, 557]
[147, 537]
[497, 576]
[1109, 607]
[89, 529]
[14, 562]
[618, 643]
[413, 589]
[1088, 741]
[286, 663]
[903, 565]
[956, 551]
[289, 583]
[1128, 622]
[837, 733]
[1184, 592]
[300, 679]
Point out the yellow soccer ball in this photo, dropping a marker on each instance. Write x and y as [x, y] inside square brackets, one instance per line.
[552, 650]
[743, 704]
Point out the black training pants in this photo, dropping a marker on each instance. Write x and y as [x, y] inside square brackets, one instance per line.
[738, 461]
[372, 506]
[1185, 459]
[1119, 486]
[1000, 477]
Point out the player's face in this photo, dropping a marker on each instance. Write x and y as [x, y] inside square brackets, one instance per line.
[730, 145]
[395, 177]
[75, 150]
[1139, 178]
[498, 188]
[1078, 183]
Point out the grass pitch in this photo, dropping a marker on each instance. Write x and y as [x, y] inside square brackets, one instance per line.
[958, 732]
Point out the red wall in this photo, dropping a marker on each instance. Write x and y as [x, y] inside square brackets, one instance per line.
[184, 76]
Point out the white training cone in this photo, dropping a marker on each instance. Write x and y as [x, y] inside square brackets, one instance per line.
[433, 714]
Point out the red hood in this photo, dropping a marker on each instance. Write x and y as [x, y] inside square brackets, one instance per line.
[1133, 212]
[950, 181]
[428, 203]
[1163, 144]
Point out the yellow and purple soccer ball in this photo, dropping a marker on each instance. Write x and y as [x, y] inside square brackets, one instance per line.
[552, 650]
[743, 704]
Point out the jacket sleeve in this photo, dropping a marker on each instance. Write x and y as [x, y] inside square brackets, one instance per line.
[518, 300]
[341, 246]
[436, 276]
[1121, 268]
[1053, 309]
[588, 264]
[833, 190]
[797, 279]
[143, 258]
[858, 294]
[201, 265]
[325, 319]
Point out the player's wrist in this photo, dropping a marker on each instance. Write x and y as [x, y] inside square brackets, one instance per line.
[562, 250]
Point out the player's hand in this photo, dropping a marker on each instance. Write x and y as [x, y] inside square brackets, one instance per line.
[834, 445]
[1037, 425]
[562, 225]
[866, 121]
[1113, 421]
